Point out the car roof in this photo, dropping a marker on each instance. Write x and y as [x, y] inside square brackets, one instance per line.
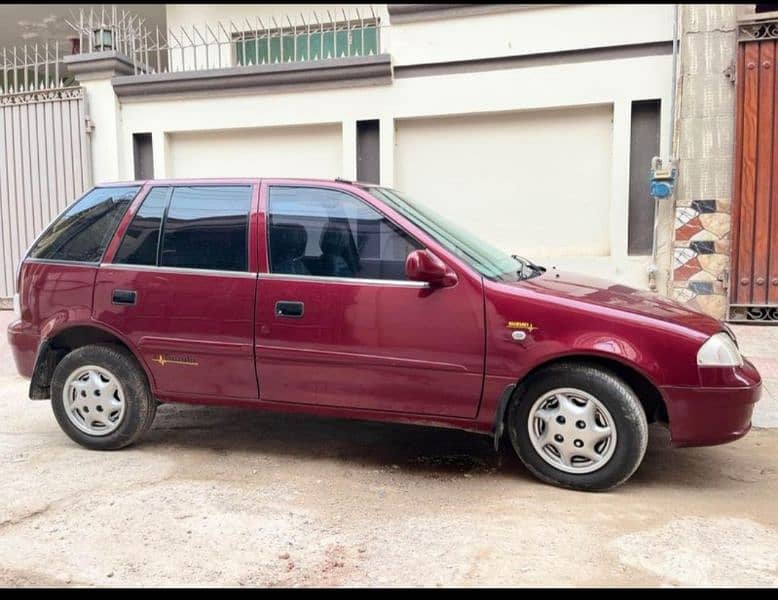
[230, 180]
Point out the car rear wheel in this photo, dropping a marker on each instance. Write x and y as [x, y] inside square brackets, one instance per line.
[101, 397]
[578, 426]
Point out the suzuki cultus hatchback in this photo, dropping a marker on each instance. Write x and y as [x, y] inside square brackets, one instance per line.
[351, 300]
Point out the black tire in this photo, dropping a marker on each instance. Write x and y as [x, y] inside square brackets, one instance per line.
[618, 398]
[140, 405]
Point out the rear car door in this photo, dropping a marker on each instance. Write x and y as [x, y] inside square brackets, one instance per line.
[178, 282]
[338, 324]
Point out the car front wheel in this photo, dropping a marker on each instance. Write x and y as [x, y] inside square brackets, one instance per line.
[578, 426]
[101, 398]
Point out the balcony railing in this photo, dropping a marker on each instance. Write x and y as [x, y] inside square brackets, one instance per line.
[229, 43]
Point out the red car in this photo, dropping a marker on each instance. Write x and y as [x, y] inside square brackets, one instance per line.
[350, 300]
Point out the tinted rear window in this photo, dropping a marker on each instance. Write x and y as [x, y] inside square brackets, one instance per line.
[83, 231]
[139, 246]
[206, 227]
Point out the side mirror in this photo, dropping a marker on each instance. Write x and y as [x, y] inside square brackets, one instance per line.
[423, 265]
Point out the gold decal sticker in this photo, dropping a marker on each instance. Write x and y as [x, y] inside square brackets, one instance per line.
[521, 325]
[175, 360]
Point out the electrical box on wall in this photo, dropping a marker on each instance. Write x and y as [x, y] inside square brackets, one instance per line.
[662, 178]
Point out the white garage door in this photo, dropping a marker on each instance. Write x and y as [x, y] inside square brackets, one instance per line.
[298, 151]
[535, 183]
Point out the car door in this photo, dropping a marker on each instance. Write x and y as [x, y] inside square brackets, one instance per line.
[178, 282]
[337, 322]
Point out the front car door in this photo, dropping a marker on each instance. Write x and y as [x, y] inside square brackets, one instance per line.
[178, 282]
[337, 322]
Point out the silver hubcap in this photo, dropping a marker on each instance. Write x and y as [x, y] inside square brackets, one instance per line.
[94, 400]
[572, 430]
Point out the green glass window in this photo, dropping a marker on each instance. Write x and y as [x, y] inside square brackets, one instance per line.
[306, 46]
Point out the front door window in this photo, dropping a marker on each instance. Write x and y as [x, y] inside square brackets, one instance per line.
[329, 233]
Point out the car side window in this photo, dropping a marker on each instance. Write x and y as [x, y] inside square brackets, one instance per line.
[206, 227]
[329, 233]
[139, 246]
[82, 232]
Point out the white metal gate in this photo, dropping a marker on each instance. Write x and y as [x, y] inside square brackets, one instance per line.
[44, 155]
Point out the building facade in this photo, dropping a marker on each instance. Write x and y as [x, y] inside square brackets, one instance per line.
[534, 125]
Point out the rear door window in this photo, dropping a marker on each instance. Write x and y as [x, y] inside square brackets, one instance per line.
[206, 227]
[141, 241]
[83, 231]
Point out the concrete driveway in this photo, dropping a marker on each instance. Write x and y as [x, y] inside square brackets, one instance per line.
[234, 497]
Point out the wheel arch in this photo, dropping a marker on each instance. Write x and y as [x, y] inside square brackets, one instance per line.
[60, 343]
[648, 393]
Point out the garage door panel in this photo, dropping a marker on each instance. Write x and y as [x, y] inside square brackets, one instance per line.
[532, 182]
[295, 151]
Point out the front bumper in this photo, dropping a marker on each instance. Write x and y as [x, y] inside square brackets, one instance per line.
[24, 340]
[710, 415]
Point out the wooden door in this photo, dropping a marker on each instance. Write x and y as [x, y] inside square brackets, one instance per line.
[754, 278]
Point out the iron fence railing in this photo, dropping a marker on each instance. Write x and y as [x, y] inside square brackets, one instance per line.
[40, 66]
[108, 28]
[315, 36]
[33, 67]
[758, 31]
[230, 43]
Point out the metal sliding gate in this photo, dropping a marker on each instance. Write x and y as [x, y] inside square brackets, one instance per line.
[44, 150]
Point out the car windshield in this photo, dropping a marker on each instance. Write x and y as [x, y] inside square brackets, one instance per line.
[487, 259]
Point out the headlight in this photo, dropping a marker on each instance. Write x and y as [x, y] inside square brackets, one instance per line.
[719, 351]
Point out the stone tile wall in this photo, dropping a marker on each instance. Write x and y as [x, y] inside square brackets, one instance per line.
[701, 255]
[705, 120]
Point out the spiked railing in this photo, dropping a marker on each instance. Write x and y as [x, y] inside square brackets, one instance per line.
[108, 29]
[226, 44]
[32, 67]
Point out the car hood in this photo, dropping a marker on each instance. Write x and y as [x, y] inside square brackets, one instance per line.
[604, 293]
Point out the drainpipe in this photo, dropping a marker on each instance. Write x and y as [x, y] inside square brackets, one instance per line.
[653, 269]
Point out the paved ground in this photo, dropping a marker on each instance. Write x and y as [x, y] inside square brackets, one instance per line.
[760, 344]
[232, 497]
